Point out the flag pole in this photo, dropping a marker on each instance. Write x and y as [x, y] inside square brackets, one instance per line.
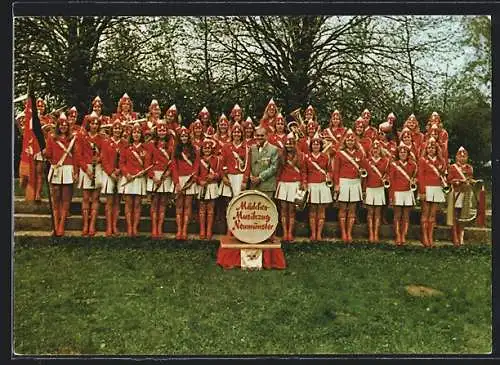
[37, 131]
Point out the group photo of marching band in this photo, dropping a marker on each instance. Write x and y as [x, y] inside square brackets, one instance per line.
[347, 163]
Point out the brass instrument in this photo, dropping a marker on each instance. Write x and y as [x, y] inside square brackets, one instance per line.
[327, 147]
[294, 127]
[413, 184]
[203, 191]
[116, 165]
[386, 182]
[362, 172]
[94, 163]
[297, 116]
[467, 215]
[58, 110]
[186, 186]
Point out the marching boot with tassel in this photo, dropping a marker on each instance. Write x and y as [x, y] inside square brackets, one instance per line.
[342, 223]
[321, 224]
[312, 225]
[369, 221]
[62, 221]
[284, 227]
[116, 215]
[85, 218]
[109, 219]
[210, 220]
[291, 224]
[154, 224]
[202, 211]
[349, 226]
[136, 219]
[404, 229]
[397, 237]
[423, 232]
[93, 217]
[430, 233]
[178, 221]
[460, 234]
[55, 222]
[161, 222]
[128, 218]
[376, 228]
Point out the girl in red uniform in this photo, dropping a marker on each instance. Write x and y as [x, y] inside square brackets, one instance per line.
[459, 175]
[62, 174]
[363, 141]
[377, 169]
[88, 158]
[348, 163]
[248, 132]
[204, 117]
[124, 111]
[133, 182]
[406, 139]
[412, 124]
[152, 118]
[160, 181]
[278, 138]
[434, 132]
[222, 135]
[171, 118]
[317, 177]
[196, 131]
[236, 115]
[290, 179]
[431, 179]
[234, 163]
[208, 177]
[71, 115]
[334, 132]
[268, 119]
[304, 143]
[184, 174]
[369, 132]
[402, 177]
[110, 158]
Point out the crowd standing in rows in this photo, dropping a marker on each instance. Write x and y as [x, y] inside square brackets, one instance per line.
[123, 157]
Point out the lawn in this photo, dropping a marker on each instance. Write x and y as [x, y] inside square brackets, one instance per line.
[125, 296]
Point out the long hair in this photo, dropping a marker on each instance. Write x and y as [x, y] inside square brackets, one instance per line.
[179, 147]
[131, 140]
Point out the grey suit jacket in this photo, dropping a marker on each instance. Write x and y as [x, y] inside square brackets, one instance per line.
[264, 164]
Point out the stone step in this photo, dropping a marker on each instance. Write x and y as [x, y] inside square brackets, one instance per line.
[42, 222]
[21, 206]
[169, 237]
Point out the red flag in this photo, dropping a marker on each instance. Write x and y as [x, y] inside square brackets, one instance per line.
[30, 149]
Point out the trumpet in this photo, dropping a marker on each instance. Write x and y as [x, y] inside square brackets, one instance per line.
[445, 187]
[362, 172]
[387, 183]
[293, 126]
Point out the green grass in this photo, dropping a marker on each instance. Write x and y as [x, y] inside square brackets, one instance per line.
[125, 297]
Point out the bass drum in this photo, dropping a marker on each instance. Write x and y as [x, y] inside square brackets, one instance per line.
[252, 217]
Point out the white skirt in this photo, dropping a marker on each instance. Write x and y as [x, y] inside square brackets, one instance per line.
[192, 190]
[434, 194]
[167, 186]
[61, 175]
[375, 196]
[404, 198]
[459, 200]
[350, 190]
[319, 193]
[287, 191]
[235, 181]
[108, 183]
[135, 187]
[38, 156]
[85, 183]
[211, 191]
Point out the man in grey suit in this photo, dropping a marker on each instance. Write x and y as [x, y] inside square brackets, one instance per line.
[264, 160]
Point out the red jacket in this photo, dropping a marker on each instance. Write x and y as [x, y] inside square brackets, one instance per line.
[133, 159]
[277, 140]
[182, 168]
[293, 168]
[214, 163]
[123, 118]
[87, 146]
[303, 144]
[366, 144]
[230, 164]
[426, 174]
[373, 180]
[110, 154]
[370, 132]
[159, 155]
[222, 142]
[54, 150]
[344, 168]
[335, 135]
[197, 143]
[268, 124]
[397, 179]
[250, 142]
[456, 178]
[312, 173]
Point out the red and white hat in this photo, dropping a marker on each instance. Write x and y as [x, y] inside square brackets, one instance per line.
[366, 113]
[271, 104]
[462, 152]
[62, 118]
[223, 120]
[210, 132]
[154, 104]
[204, 112]
[209, 142]
[405, 131]
[312, 125]
[196, 123]
[385, 127]
[183, 130]
[137, 126]
[237, 125]
[391, 118]
[248, 123]
[309, 109]
[97, 100]
[236, 109]
[124, 98]
[290, 136]
[349, 134]
[360, 122]
[403, 146]
[336, 112]
[172, 111]
[117, 121]
[72, 112]
[435, 118]
[40, 103]
[316, 137]
[431, 141]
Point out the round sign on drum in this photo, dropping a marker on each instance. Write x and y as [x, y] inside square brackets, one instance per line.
[252, 216]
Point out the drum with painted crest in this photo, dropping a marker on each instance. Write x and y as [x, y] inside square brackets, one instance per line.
[252, 216]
